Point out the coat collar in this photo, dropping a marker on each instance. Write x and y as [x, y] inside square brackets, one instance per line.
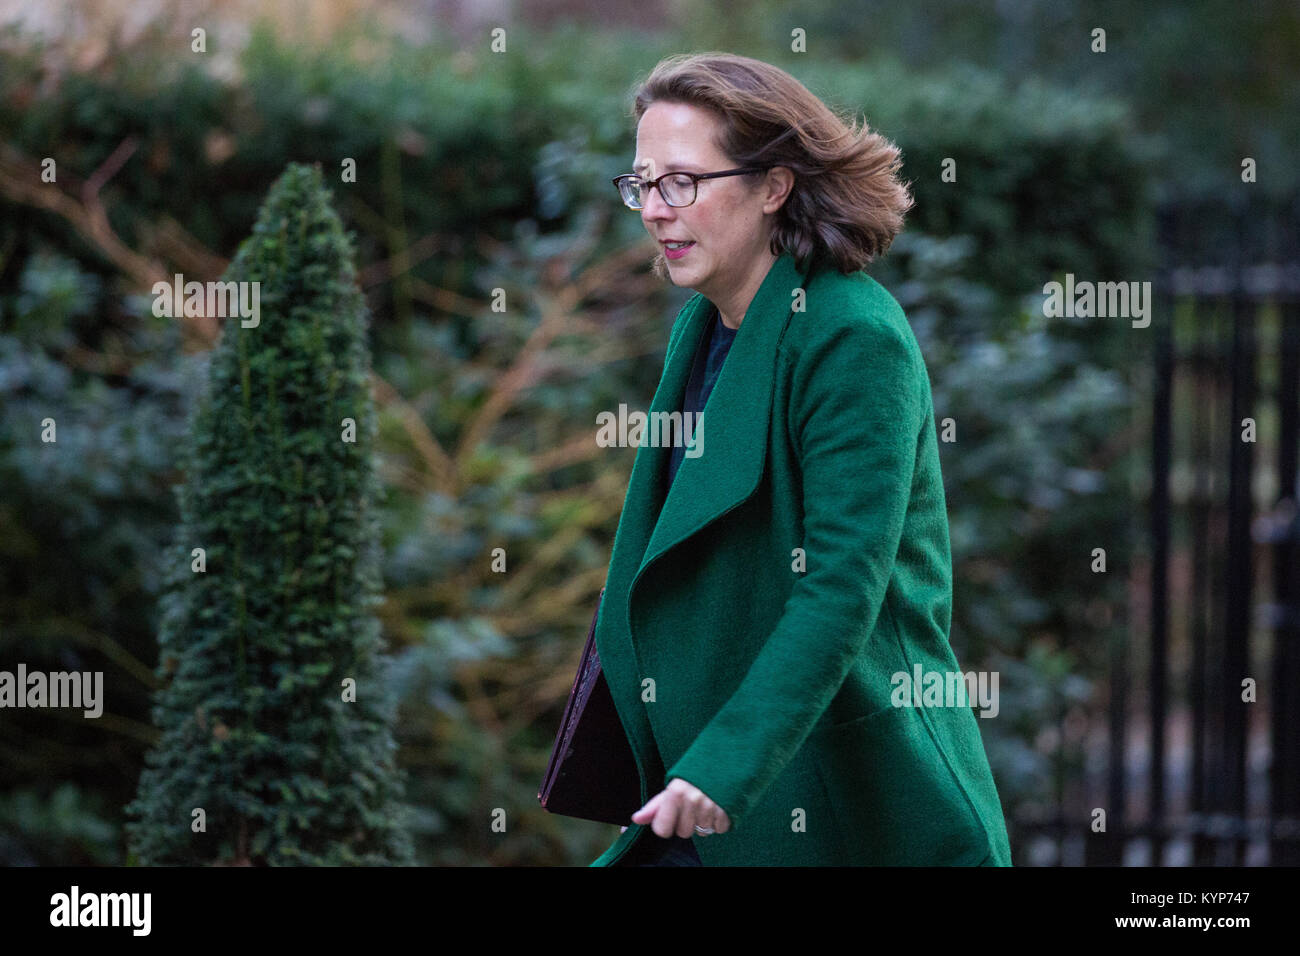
[731, 461]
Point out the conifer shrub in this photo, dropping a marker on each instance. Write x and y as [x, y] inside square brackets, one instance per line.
[276, 742]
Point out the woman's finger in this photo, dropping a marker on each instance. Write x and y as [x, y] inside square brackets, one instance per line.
[667, 819]
[646, 812]
[693, 812]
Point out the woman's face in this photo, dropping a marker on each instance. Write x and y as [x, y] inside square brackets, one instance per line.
[726, 221]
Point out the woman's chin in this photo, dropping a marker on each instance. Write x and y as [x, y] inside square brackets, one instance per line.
[676, 267]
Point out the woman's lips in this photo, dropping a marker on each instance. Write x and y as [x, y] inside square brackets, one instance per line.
[678, 253]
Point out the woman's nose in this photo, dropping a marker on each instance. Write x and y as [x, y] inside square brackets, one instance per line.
[653, 205]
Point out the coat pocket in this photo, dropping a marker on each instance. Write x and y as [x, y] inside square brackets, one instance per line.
[894, 800]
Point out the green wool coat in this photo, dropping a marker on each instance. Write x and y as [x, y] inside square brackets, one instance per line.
[764, 678]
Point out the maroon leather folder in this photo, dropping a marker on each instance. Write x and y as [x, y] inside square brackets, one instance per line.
[592, 773]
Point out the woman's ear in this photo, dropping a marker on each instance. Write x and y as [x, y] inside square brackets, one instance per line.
[780, 181]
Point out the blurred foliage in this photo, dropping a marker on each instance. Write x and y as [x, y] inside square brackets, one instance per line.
[478, 174]
[1219, 80]
[64, 827]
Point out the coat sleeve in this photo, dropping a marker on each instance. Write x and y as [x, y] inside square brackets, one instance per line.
[859, 395]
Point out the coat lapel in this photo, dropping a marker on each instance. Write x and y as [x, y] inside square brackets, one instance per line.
[728, 469]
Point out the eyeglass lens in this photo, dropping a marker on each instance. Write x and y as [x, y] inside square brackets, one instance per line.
[676, 191]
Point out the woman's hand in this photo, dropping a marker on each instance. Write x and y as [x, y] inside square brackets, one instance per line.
[679, 808]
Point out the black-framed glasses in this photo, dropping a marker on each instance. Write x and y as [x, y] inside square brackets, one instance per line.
[677, 189]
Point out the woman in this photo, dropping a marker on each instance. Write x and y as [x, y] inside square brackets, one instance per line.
[771, 581]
